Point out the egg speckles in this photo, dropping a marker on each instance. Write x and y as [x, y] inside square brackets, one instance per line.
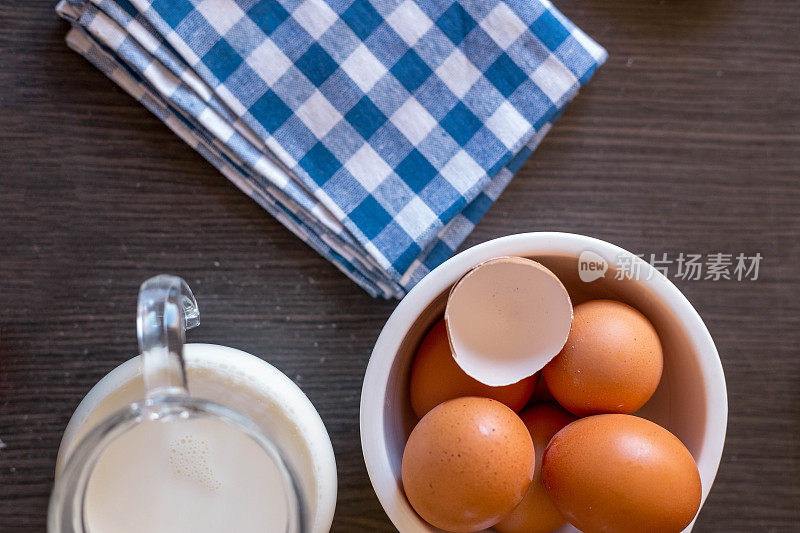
[467, 464]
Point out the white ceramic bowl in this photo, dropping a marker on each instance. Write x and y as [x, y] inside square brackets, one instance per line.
[691, 400]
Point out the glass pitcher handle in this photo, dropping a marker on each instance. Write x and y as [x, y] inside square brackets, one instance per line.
[166, 309]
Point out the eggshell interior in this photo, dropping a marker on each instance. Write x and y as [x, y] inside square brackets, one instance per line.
[506, 319]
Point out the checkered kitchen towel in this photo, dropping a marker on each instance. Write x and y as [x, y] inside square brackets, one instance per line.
[378, 131]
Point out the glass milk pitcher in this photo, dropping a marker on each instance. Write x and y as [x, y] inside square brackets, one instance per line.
[173, 462]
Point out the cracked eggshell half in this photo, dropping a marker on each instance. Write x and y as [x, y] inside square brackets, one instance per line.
[506, 319]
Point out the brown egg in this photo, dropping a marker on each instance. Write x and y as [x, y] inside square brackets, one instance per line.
[612, 361]
[436, 378]
[537, 513]
[467, 464]
[618, 473]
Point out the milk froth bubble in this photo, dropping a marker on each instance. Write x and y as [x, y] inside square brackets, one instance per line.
[185, 475]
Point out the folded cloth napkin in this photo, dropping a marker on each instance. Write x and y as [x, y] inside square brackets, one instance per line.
[378, 131]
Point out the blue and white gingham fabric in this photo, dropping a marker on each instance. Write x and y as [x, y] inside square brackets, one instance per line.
[378, 131]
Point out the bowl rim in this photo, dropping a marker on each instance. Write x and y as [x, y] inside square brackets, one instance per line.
[373, 392]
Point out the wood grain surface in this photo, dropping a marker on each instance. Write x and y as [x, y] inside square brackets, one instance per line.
[687, 140]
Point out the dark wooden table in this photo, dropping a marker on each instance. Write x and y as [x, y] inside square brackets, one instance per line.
[687, 140]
